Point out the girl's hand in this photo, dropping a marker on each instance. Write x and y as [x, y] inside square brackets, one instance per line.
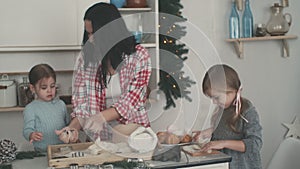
[213, 145]
[35, 136]
[196, 135]
[67, 134]
[202, 136]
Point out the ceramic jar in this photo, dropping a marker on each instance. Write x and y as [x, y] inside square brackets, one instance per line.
[8, 92]
[278, 24]
[136, 3]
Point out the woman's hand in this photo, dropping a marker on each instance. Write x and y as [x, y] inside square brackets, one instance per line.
[35, 136]
[67, 135]
[93, 124]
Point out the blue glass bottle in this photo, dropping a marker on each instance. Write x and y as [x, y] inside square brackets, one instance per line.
[234, 22]
[247, 21]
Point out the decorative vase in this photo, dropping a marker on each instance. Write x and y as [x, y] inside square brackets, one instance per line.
[278, 23]
[136, 3]
[118, 3]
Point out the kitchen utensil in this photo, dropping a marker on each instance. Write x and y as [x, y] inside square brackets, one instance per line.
[143, 140]
[8, 92]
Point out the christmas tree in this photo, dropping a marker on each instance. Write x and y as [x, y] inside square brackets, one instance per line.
[172, 81]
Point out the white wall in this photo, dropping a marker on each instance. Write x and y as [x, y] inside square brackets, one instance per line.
[270, 81]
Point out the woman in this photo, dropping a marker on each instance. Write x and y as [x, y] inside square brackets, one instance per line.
[111, 77]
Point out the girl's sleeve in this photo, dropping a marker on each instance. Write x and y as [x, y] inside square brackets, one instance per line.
[253, 136]
[29, 126]
[67, 114]
[130, 103]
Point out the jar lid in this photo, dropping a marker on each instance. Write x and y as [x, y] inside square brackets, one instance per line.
[277, 5]
[6, 82]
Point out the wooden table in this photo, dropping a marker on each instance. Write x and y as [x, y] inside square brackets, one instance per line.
[217, 161]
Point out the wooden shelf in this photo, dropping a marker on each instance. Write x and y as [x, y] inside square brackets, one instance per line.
[134, 9]
[20, 109]
[39, 48]
[149, 45]
[239, 43]
[49, 48]
[25, 73]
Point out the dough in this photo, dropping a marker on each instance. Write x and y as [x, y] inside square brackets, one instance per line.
[172, 139]
[186, 139]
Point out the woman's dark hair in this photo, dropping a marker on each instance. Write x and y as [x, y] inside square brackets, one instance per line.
[39, 72]
[111, 39]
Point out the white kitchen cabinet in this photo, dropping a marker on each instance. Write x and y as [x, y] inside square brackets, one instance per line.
[34, 32]
[34, 28]
[35, 24]
[146, 20]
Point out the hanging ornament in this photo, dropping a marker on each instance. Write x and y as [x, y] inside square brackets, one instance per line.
[294, 129]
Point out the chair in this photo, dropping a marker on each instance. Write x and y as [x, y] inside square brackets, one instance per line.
[287, 155]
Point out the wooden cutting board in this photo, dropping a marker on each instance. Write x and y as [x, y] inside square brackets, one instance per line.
[190, 150]
[103, 157]
[80, 161]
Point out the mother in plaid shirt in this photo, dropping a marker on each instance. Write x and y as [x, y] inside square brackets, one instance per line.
[110, 78]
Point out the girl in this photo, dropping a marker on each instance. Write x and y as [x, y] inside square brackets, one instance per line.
[238, 133]
[46, 113]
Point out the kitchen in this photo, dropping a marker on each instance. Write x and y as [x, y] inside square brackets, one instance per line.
[269, 80]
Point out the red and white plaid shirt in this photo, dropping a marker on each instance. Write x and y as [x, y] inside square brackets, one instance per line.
[135, 71]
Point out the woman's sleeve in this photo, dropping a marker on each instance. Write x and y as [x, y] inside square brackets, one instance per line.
[29, 125]
[79, 94]
[130, 103]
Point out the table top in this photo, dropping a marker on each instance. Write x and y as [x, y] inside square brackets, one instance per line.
[189, 161]
[186, 161]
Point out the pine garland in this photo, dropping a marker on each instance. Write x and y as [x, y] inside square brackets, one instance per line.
[172, 82]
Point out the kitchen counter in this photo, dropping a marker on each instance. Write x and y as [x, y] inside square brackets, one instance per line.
[214, 161]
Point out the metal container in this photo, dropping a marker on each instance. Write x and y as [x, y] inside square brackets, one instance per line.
[8, 92]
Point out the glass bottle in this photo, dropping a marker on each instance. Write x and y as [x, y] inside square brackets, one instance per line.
[247, 21]
[234, 22]
[25, 96]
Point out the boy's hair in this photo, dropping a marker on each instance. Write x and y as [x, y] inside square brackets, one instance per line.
[221, 77]
[39, 72]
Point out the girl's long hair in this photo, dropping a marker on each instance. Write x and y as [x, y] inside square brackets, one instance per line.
[221, 77]
[112, 40]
